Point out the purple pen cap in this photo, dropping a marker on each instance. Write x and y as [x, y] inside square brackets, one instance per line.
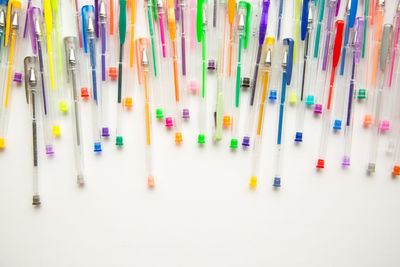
[105, 132]
[34, 29]
[246, 141]
[346, 161]
[49, 150]
[185, 113]
[17, 77]
[318, 109]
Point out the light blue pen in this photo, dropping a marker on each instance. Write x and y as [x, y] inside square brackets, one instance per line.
[287, 66]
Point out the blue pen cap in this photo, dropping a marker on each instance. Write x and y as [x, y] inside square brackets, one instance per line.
[304, 20]
[87, 11]
[289, 60]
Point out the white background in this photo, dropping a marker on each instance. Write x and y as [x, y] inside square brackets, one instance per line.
[201, 212]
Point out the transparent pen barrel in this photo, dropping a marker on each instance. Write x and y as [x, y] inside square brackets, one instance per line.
[349, 120]
[324, 134]
[47, 95]
[94, 84]
[35, 156]
[255, 163]
[77, 129]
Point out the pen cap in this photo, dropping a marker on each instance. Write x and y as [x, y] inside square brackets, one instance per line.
[289, 59]
[337, 47]
[31, 77]
[34, 22]
[201, 19]
[171, 18]
[13, 15]
[387, 31]
[263, 22]
[142, 57]
[122, 21]
[359, 37]
[245, 10]
[353, 12]
[304, 19]
[87, 24]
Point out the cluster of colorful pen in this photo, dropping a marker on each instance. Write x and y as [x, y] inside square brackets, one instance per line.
[325, 66]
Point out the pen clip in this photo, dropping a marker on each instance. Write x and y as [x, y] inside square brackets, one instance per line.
[353, 12]
[289, 59]
[11, 5]
[387, 31]
[337, 47]
[171, 18]
[86, 12]
[263, 22]
[30, 71]
[304, 20]
[246, 6]
[34, 12]
[122, 21]
[359, 37]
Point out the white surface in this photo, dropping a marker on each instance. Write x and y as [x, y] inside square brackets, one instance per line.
[201, 212]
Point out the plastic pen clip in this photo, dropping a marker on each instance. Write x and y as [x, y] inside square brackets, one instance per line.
[263, 22]
[30, 70]
[387, 31]
[359, 37]
[288, 61]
